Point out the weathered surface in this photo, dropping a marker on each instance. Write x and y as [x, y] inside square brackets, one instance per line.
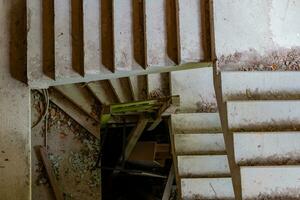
[260, 85]
[235, 22]
[123, 34]
[190, 31]
[121, 89]
[199, 143]
[156, 33]
[196, 90]
[196, 122]
[158, 85]
[15, 175]
[63, 39]
[203, 166]
[263, 115]
[271, 182]
[92, 36]
[273, 148]
[35, 63]
[207, 188]
[103, 91]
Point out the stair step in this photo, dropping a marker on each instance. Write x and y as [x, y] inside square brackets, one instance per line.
[199, 143]
[207, 188]
[263, 115]
[123, 35]
[196, 90]
[271, 182]
[260, 85]
[37, 70]
[203, 166]
[121, 88]
[138, 85]
[195, 123]
[267, 148]
[81, 97]
[156, 33]
[92, 37]
[63, 39]
[103, 91]
[158, 85]
[75, 113]
[191, 43]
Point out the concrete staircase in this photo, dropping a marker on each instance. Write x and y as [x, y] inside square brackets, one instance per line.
[83, 41]
[263, 116]
[199, 156]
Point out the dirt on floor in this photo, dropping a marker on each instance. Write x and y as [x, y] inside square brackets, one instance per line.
[72, 151]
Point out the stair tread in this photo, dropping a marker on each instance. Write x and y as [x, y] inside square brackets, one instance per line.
[263, 115]
[203, 165]
[156, 33]
[267, 148]
[271, 182]
[207, 188]
[197, 143]
[92, 37]
[79, 96]
[260, 85]
[103, 91]
[195, 123]
[190, 20]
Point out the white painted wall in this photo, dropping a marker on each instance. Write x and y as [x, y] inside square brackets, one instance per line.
[242, 25]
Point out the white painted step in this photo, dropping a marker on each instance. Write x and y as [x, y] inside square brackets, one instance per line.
[271, 182]
[123, 35]
[253, 115]
[191, 48]
[121, 88]
[158, 85]
[203, 166]
[92, 37]
[260, 85]
[103, 91]
[63, 39]
[206, 188]
[156, 33]
[199, 143]
[267, 147]
[195, 123]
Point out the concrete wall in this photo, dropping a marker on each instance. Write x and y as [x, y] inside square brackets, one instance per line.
[256, 25]
[14, 118]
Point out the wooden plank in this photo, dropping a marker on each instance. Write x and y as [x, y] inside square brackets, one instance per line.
[103, 91]
[54, 183]
[63, 39]
[156, 33]
[121, 88]
[168, 187]
[190, 31]
[260, 85]
[92, 36]
[267, 148]
[264, 115]
[207, 188]
[203, 166]
[81, 97]
[135, 135]
[196, 123]
[281, 182]
[123, 35]
[75, 113]
[186, 144]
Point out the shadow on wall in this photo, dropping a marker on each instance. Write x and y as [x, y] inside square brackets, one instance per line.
[18, 40]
